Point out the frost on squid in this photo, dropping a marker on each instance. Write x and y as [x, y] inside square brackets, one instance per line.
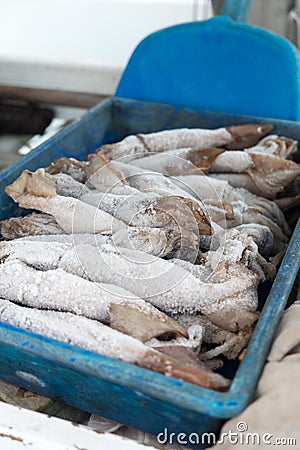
[152, 250]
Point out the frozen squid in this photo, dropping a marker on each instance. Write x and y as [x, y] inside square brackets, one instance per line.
[232, 162]
[153, 210]
[237, 136]
[68, 186]
[237, 246]
[271, 173]
[262, 173]
[98, 338]
[129, 179]
[32, 224]
[214, 191]
[268, 175]
[171, 287]
[181, 161]
[286, 203]
[225, 342]
[165, 243]
[54, 289]
[105, 176]
[275, 145]
[138, 238]
[37, 190]
[168, 243]
[68, 166]
[261, 235]
[181, 218]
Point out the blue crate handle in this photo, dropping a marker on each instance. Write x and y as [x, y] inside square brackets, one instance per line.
[216, 65]
[237, 9]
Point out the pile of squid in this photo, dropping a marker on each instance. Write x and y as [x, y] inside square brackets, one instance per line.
[152, 250]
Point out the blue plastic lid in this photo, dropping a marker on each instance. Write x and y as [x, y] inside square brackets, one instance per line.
[217, 65]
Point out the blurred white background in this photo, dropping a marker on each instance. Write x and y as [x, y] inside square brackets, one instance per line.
[81, 45]
[103, 31]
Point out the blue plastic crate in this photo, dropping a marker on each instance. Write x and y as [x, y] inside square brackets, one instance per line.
[117, 390]
[217, 65]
